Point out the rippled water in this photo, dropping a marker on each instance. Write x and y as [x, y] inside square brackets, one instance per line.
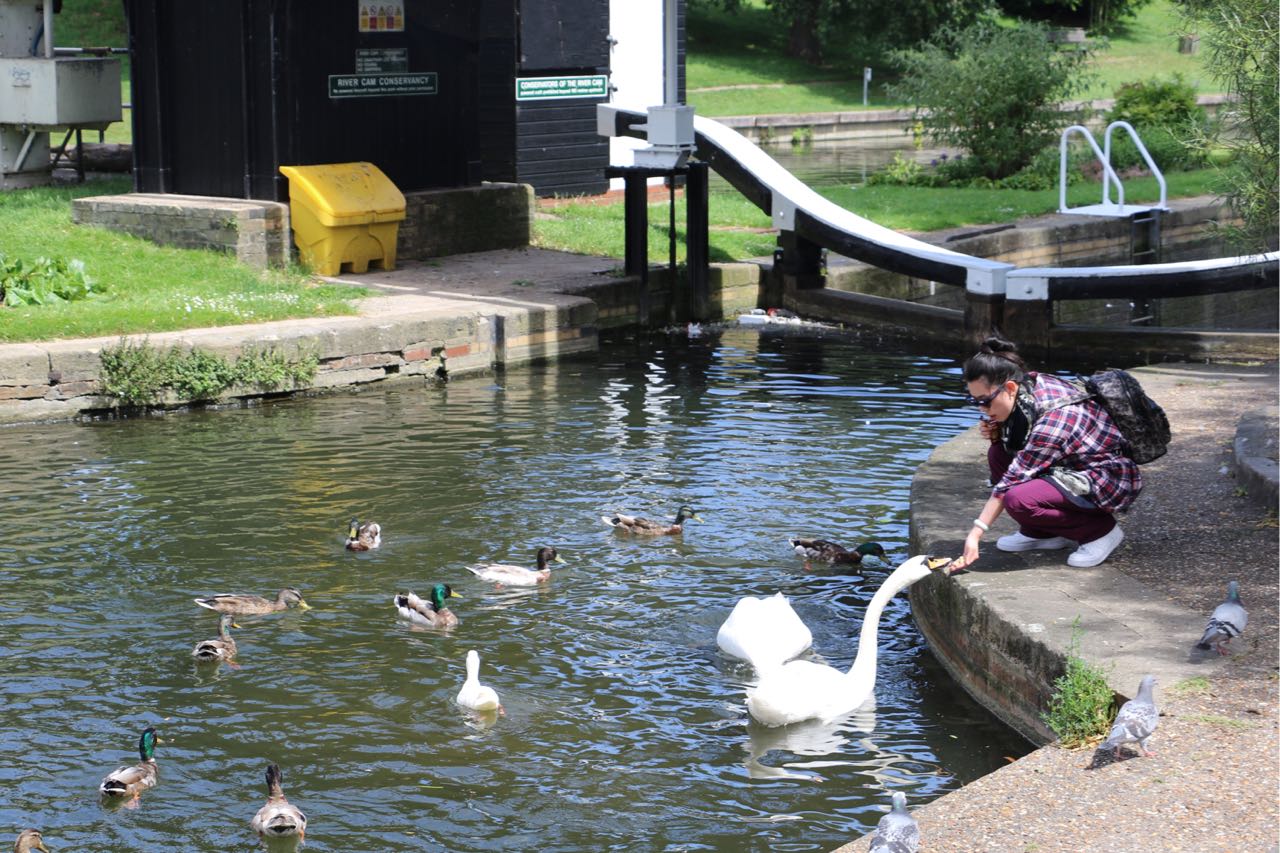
[625, 729]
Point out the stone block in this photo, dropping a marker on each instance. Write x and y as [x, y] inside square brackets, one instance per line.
[337, 378]
[23, 392]
[23, 364]
[373, 359]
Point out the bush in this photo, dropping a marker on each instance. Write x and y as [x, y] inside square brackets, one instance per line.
[1080, 708]
[44, 281]
[1148, 104]
[137, 374]
[1169, 151]
[993, 91]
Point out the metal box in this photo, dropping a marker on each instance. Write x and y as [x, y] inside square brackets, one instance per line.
[60, 92]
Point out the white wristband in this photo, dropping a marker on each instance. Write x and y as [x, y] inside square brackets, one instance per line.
[981, 525]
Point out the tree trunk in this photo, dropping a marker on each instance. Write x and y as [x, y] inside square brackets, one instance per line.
[802, 38]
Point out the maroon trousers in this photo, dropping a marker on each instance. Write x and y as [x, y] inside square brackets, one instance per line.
[1043, 511]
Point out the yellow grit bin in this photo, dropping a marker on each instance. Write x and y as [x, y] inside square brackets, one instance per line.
[345, 216]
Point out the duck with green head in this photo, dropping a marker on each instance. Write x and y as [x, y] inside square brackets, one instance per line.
[821, 550]
[645, 527]
[506, 575]
[433, 613]
[132, 780]
[221, 648]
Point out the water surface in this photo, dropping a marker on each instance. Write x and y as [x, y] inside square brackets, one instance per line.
[625, 729]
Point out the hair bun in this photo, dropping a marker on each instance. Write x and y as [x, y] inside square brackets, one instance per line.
[996, 344]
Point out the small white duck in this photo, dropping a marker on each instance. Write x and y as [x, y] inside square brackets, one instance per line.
[804, 690]
[765, 632]
[474, 695]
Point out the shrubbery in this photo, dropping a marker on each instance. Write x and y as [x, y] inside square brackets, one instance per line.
[137, 374]
[44, 281]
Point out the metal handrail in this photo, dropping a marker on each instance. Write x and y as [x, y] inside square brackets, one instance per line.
[1107, 172]
[1142, 149]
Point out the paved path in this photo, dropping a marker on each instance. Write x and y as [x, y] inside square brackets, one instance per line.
[1213, 783]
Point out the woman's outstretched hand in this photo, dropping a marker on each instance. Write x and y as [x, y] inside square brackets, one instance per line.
[969, 557]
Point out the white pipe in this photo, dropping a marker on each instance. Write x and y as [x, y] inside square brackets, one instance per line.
[48, 29]
[670, 65]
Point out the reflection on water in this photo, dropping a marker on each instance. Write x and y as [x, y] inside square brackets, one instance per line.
[625, 728]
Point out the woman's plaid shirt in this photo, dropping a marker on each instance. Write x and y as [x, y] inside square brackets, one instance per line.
[1080, 437]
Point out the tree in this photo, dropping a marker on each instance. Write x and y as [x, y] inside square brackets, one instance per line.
[996, 92]
[863, 30]
[1241, 44]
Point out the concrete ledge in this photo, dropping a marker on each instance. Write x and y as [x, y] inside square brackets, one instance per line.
[1255, 456]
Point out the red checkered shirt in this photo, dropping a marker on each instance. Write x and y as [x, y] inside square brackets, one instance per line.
[1081, 437]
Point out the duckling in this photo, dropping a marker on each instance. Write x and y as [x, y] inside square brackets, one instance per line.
[278, 818]
[829, 552]
[131, 781]
[364, 537]
[434, 613]
[474, 695]
[223, 648]
[518, 575]
[645, 527]
[252, 605]
[28, 840]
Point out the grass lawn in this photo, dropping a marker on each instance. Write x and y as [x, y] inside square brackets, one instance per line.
[739, 230]
[746, 49]
[150, 288]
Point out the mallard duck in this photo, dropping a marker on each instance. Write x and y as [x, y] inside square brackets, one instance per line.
[804, 690]
[474, 695]
[223, 648]
[518, 575]
[251, 605]
[765, 632]
[829, 552]
[364, 537]
[645, 527]
[278, 818]
[131, 781]
[28, 840]
[434, 613]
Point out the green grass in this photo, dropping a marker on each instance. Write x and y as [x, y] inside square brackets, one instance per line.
[747, 48]
[150, 288]
[739, 230]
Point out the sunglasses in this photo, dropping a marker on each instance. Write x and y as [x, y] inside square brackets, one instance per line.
[983, 402]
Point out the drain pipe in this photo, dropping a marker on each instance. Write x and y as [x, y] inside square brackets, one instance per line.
[48, 34]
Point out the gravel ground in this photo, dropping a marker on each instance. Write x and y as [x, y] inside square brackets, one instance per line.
[1214, 780]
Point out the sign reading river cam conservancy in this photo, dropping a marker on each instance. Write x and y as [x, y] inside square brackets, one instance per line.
[382, 85]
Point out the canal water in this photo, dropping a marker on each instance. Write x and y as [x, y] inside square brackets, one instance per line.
[625, 728]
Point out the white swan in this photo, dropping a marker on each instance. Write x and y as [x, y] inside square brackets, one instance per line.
[473, 694]
[804, 690]
[765, 632]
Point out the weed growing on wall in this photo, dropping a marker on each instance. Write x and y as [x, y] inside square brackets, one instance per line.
[1080, 708]
[137, 374]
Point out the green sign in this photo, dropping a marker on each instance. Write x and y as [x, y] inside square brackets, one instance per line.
[382, 85]
[552, 88]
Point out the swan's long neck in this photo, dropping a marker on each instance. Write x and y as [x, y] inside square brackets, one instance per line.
[864, 665]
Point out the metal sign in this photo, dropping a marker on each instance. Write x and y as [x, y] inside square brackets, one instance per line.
[554, 88]
[382, 60]
[382, 85]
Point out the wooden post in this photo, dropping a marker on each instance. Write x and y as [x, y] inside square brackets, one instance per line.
[983, 313]
[800, 262]
[1027, 323]
[697, 240]
[635, 206]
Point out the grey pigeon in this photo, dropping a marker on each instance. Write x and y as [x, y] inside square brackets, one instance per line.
[1227, 622]
[1136, 721]
[897, 831]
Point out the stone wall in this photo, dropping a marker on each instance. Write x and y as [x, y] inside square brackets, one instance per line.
[464, 220]
[256, 232]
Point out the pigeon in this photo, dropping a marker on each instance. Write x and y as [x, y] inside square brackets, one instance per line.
[1136, 721]
[1227, 622]
[897, 831]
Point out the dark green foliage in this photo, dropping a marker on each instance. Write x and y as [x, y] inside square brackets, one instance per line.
[993, 91]
[137, 374]
[44, 281]
[1080, 708]
[1168, 149]
[1100, 16]
[1241, 40]
[1169, 103]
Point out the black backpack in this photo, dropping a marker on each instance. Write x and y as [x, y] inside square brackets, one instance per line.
[1140, 419]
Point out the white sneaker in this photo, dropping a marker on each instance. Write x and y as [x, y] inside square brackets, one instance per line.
[1018, 542]
[1093, 553]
